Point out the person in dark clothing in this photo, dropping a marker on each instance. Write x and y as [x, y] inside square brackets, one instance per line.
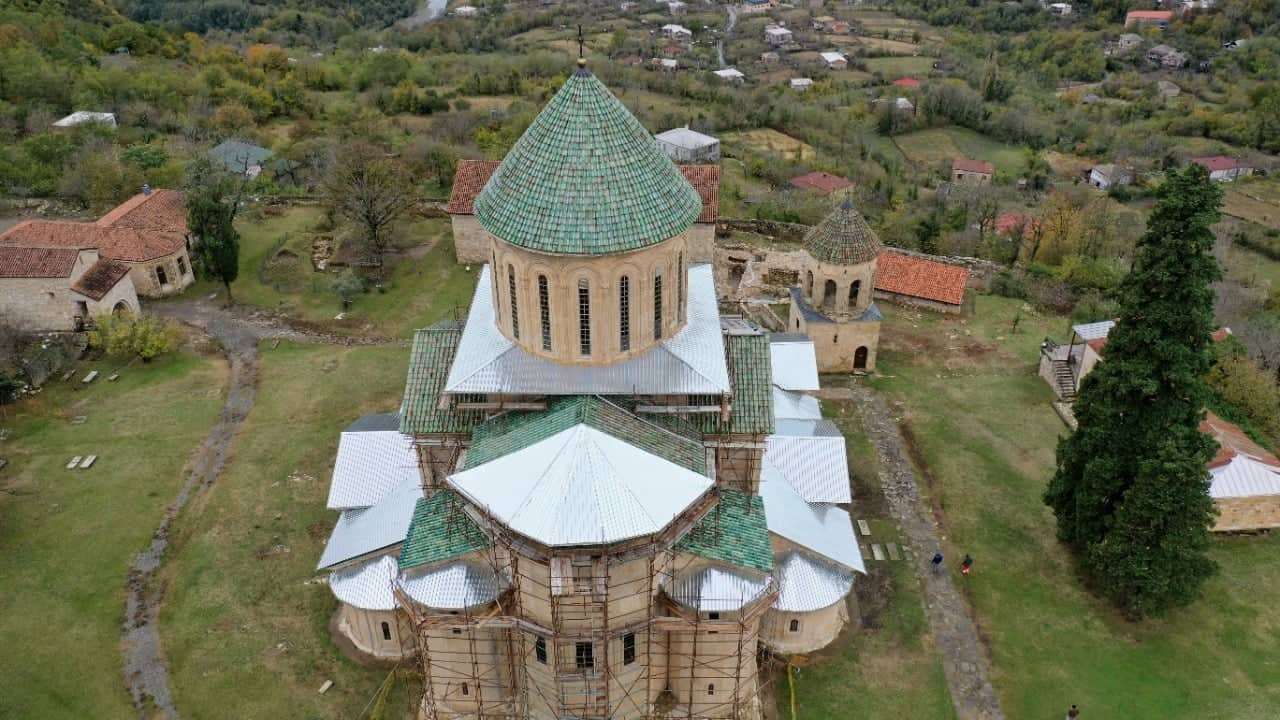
[966, 564]
[1073, 713]
[937, 562]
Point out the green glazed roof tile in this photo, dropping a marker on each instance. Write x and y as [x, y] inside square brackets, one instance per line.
[440, 530]
[433, 351]
[751, 377]
[843, 237]
[586, 178]
[733, 532]
[514, 431]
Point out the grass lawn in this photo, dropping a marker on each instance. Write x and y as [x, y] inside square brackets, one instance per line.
[941, 145]
[425, 284]
[767, 140]
[986, 433]
[1254, 200]
[246, 637]
[69, 535]
[889, 667]
[893, 68]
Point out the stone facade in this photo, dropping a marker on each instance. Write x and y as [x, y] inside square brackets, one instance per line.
[1247, 513]
[812, 630]
[379, 634]
[49, 304]
[841, 346]
[168, 275]
[471, 242]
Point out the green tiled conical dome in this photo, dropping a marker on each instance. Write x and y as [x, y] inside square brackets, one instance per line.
[586, 178]
[843, 238]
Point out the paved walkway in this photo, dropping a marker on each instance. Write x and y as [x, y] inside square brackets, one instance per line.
[953, 629]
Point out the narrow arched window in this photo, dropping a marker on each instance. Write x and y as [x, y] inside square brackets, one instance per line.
[544, 311]
[711, 689]
[657, 306]
[854, 289]
[386, 631]
[809, 283]
[515, 302]
[624, 313]
[680, 286]
[795, 626]
[466, 689]
[584, 317]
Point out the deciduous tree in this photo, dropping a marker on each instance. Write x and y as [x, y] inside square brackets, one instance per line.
[1131, 488]
[371, 191]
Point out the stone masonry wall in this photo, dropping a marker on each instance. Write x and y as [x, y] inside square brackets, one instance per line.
[1247, 513]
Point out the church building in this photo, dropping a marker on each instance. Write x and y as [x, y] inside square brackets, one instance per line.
[599, 498]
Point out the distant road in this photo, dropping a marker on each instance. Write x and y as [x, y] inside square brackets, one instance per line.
[429, 10]
[733, 20]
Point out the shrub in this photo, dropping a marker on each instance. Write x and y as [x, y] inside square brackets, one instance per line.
[1242, 384]
[1010, 284]
[129, 335]
[347, 285]
[1093, 308]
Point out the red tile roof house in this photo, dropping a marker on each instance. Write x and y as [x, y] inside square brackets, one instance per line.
[46, 289]
[147, 233]
[909, 279]
[471, 241]
[1244, 479]
[907, 82]
[1222, 168]
[1159, 18]
[823, 183]
[972, 172]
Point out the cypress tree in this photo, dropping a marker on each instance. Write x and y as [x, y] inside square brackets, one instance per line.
[212, 198]
[1131, 488]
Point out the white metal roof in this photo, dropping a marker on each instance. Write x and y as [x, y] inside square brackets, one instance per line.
[778, 31]
[1244, 476]
[714, 589]
[367, 585]
[366, 530]
[84, 116]
[801, 82]
[454, 587]
[830, 57]
[676, 29]
[806, 584]
[582, 486]
[370, 465]
[1094, 330]
[817, 467]
[692, 361]
[730, 73]
[685, 138]
[824, 529]
[794, 363]
[788, 405]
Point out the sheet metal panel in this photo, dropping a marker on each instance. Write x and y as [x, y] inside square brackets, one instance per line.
[368, 585]
[788, 405]
[817, 468]
[366, 530]
[454, 587]
[795, 364]
[824, 529]
[806, 585]
[370, 465]
[1244, 477]
[714, 589]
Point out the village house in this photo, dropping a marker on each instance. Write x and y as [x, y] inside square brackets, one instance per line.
[801, 84]
[834, 60]
[907, 82]
[732, 76]
[687, 146]
[1151, 18]
[1060, 8]
[628, 6]
[61, 289]
[1167, 57]
[1129, 41]
[471, 240]
[1167, 89]
[972, 172]
[1109, 175]
[820, 22]
[1244, 480]
[757, 6]
[241, 158]
[903, 105]
[466, 11]
[1190, 6]
[146, 234]
[677, 8]
[678, 33]
[769, 58]
[85, 117]
[665, 64]
[673, 50]
[607, 515]
[775, 35]
[1224, 169]
[823, 183]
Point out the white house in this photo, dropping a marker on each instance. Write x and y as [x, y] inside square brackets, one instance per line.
[904, 105]
[677, 8]
[801, 84]
[775, 35]
[83, 117]
[683, 145]
[731, 75]
[677, 32]
[1060, 8]
[466, 11]
[1224, 169]
[1105, 177]
[834, 60]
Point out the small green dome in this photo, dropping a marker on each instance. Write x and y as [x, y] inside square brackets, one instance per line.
[586, 178]
[843, 238]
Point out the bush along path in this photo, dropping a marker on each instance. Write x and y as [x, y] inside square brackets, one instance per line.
[953, 628]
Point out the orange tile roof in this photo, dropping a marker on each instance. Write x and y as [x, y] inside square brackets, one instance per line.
[98, 280]
[1149, 15]
[1214, 163]
[161, 210]
[1232, 441]
[1218, 335]
[823, 182]
[974, 166]
[471, 175]
[920, 278]
[907, 82]
[28, 262]
[113, 243]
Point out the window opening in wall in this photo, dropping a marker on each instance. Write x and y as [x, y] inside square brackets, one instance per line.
[795, 626]
[713, 616]
[628, 648]
[624, 313]
[544, 311]
[829, 295]
[515, 302]
[860, 358]
[457, 631]
[182, 266]
[797, 323]
[466, 690]
[657, 306]
[386, 631]
[680, 287]
[854, 289]
[584, 317]
[161, 276]
[584, 655]
[711, 689]
[582, 574]
[809, 284]
[540, 650]
[835, 338]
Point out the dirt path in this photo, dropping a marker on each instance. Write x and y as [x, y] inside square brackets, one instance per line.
[953, 628]
[238, 331]
[728, 30]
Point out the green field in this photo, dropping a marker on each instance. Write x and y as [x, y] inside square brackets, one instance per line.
[424, 283]
[1255, 200]
[984, 427]
[69, 535]
[245, 635]
[942, 145]
[893, 68]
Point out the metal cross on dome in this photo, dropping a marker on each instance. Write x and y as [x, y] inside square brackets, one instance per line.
[580, 54]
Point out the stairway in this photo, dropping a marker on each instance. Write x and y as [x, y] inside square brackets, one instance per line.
[1064, 381]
